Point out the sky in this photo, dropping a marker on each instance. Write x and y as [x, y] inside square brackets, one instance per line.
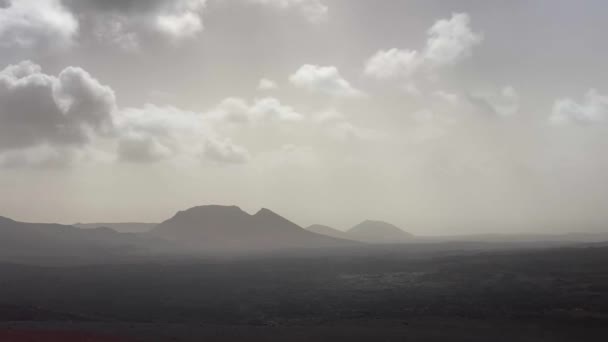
[442, 117]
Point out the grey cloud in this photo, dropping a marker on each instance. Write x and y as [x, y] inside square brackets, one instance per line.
[325, 80]
[268, 109]
[36, 108]
[449, 41]
[141, 148]
[266, 84]
[39, 157]
[152, 134]
[314, 10]
[125, 23]
[224, 152]
[128, 23]
[502, 103]
[32, 23]
[594, 109]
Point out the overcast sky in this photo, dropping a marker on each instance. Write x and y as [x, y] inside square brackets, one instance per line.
[443, 117]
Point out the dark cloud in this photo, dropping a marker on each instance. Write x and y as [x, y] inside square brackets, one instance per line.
[37, 108]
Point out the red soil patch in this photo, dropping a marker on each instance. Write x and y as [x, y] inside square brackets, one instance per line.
[55, 336]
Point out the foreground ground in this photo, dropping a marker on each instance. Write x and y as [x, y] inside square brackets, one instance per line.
[558, 294]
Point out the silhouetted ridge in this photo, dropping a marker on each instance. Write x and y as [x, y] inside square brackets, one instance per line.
[122, 227]
[379, 232]
[329, 231]
[229, 228]
[21, 239]
[6, 220]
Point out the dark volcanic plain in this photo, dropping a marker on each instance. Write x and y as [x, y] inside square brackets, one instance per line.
[459, 291]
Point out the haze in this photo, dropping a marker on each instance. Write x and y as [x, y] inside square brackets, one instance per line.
[440, 117]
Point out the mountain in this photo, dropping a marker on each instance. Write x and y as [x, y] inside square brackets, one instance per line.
[122, 227]
[378, 232]
[20, 240]
[228, 228]
[329, 231]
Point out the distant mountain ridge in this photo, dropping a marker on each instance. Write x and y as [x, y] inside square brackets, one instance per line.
[229, 228]
[329, 231]
[379, 232]
[122, 227]
[368, 231]
[207, 230]
[43, 239]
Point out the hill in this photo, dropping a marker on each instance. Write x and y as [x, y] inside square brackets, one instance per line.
[379, 232]
[122, 227]
[228, 228]
[21, 241]
[328, 231]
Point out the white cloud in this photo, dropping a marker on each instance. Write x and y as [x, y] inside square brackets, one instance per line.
[153, 133]
[326, 80]
[314, 10]
[593, 109]
[449, 42]
[31, 23]
[393, 63]
[142, 148]
[266, 84]
[182, 19]
[271, 109]
[268, 109]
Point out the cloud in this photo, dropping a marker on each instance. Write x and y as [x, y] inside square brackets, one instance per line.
[326, 80]
[129, 23]
[338, 127]
[330, 115]
[126, 23]
[290, 155]
[393, 63]
[33, 23]
[449, 42]
[37, 108]
[593, 109]
[225, 152]
[153, 134]
[447, 96]
[266, 84]
[48, 120]
[314, 10]
[503, 103]
[41, 157]
[268, 109]
[346, 131]
[142, 148]
[182, 20]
